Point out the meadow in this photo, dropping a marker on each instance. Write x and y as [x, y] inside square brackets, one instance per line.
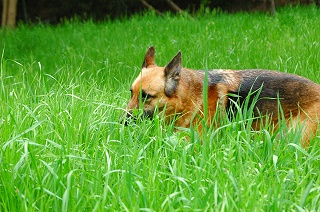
[63, 88]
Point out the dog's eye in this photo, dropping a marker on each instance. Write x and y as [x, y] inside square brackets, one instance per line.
[145, 96]
[131, 92]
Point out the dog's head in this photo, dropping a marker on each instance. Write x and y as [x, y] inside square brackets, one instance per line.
[155, 87]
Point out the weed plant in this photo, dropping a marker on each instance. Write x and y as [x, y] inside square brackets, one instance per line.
[63, 88]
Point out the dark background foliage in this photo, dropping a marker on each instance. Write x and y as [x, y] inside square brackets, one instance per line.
[48, 11]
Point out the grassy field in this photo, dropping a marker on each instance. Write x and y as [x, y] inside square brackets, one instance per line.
[63, 88]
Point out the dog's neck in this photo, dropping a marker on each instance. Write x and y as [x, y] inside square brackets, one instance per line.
[190, 96]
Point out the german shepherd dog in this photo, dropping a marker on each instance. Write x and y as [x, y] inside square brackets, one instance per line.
[176, 91]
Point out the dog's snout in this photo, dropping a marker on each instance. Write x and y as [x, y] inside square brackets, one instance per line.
[132, 115]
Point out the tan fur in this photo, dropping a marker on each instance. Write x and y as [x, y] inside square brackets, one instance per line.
[177, 91]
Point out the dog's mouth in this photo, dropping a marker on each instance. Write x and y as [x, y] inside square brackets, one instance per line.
[130, 116]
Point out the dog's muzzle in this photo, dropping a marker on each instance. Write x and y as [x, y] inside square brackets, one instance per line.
[127, 116]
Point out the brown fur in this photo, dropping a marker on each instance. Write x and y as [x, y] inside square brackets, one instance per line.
[174, 90]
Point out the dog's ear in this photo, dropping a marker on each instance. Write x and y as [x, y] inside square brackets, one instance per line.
[172, 74]
[149, 58]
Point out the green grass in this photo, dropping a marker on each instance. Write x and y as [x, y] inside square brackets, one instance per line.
[63, 88]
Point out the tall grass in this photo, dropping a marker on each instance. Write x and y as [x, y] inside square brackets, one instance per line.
[63, 88]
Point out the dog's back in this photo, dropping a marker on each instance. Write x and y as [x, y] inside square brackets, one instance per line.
[299, 97]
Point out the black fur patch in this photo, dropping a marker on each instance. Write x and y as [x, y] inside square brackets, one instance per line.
[288, 89]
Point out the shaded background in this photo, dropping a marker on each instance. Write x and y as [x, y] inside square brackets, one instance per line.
[53, 12]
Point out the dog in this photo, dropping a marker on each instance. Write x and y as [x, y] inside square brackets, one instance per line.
[178, 92]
